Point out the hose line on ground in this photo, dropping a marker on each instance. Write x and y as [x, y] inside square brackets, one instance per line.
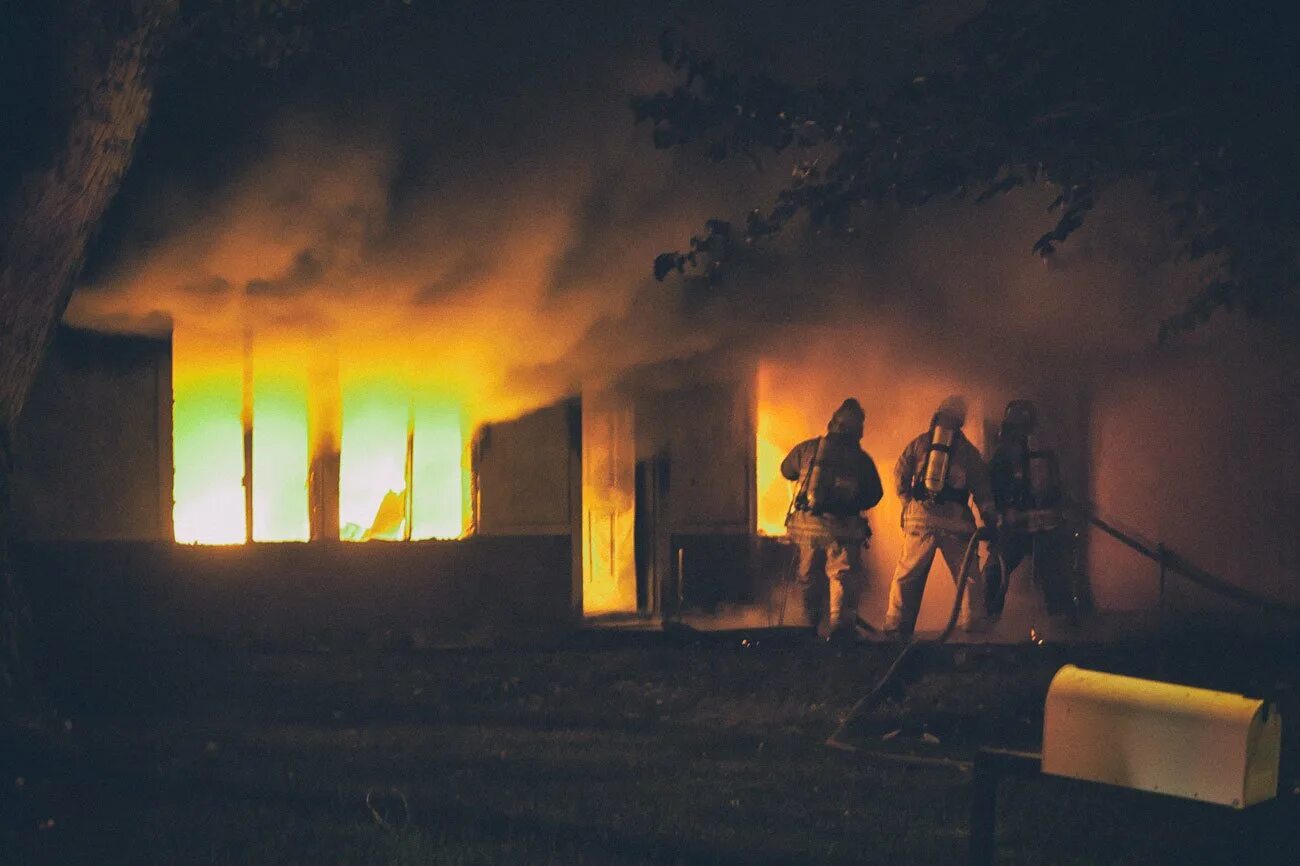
[877, 693]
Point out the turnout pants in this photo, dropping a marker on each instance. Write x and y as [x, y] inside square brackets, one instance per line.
[1052, 572]
[1014, 547]
[908, 586]
[829, 576]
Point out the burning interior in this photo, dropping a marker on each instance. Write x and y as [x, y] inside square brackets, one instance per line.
[334, 448]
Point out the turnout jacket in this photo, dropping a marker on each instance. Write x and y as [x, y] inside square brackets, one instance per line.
[1026, 484]
[966, 471]
[1014, 484]
[860, 486]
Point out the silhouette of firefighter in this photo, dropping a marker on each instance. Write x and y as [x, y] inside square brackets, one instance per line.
[838, 481]
[1026, 483]
[937, 476]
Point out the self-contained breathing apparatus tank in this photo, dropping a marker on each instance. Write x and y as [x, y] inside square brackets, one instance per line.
[1043, 474]
[809, 498]
[830, 486]
[931, 477]
[1032, 497]
[936, 458]
[1042, 490]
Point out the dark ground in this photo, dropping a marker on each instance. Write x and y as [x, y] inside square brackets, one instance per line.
[614, 748]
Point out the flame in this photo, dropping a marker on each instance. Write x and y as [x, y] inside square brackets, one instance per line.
[440, 500]
[373, 499]
[207, 447]
[280, 458]
[373, 458]
[776, 432]
[291, 410]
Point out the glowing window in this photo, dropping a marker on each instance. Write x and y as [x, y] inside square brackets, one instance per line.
[401, 472]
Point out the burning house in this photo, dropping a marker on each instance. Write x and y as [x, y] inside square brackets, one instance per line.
[190, 496]
[245, 498]
[419, 375]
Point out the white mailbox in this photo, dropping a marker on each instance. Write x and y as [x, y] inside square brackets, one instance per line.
[1196, 743]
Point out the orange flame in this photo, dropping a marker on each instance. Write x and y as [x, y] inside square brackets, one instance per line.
[776, 431]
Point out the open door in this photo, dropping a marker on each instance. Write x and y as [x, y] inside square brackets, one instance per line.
[609, 573]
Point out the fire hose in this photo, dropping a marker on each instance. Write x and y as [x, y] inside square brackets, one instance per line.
[877, 694]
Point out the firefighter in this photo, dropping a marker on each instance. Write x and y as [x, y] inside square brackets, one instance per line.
[1027, 490]
[837, 482]
[936, 476]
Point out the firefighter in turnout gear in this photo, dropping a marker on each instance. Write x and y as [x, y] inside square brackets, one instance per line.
[1027, 490]
[837, 482]
[936, 476]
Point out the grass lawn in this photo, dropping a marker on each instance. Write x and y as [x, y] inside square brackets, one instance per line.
[607, 749]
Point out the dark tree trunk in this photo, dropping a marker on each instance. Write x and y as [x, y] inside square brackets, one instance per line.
[109, 47]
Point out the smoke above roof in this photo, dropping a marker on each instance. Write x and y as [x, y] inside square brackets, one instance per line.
[496, 232]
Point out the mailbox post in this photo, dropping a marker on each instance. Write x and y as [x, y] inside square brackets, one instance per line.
[991, 766]
[1204, 745]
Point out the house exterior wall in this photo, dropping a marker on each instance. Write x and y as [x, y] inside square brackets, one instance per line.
[709, 435]
[1198, 450]
[93, 448]
[524, 471]
[527, 481]
[90, 595]
[644, 483]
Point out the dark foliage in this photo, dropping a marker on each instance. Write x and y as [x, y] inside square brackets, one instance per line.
[1199, 100]
[264, 31]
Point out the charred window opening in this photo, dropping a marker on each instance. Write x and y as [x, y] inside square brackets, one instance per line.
[332, 452]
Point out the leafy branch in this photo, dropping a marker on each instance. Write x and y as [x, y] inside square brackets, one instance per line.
[1193, 99]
